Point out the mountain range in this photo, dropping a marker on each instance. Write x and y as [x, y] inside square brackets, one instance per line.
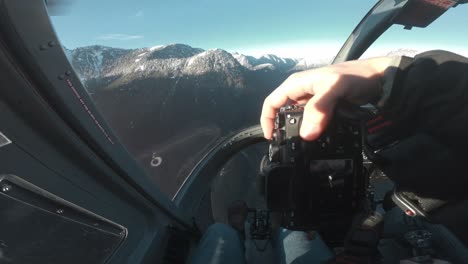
[171, 60]
[173, 103]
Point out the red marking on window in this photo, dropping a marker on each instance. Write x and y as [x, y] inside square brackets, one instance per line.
[410, 212]
[446, 4]
[375, 120]
[86, 108]
[379, 126]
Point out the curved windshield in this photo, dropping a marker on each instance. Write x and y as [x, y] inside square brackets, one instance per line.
[444, 33]
[172, 78]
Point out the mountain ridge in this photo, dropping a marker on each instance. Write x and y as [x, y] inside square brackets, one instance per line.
[175, 101]
[98, 61]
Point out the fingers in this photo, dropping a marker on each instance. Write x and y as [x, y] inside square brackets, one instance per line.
[294, 89]
[317, 114]
[354, 81]
[270, 107]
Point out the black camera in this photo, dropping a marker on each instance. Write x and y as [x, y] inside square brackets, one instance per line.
[316, 185]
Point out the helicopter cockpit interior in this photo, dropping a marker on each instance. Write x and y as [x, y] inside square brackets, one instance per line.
[80, 182]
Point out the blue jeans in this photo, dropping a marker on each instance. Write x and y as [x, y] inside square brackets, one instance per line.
[222, 244]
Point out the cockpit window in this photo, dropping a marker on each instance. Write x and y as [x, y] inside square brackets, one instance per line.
[173, 78]
[444, 33]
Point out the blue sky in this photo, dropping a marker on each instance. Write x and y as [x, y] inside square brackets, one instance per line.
[247, 26]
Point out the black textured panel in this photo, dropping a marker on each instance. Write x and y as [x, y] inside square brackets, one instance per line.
[37, 227]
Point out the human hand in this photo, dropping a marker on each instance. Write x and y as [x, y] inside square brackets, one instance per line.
[357, 82]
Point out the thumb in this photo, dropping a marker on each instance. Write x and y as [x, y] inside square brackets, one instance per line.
[317, 113]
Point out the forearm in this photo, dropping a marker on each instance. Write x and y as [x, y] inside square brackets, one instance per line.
[365, 79]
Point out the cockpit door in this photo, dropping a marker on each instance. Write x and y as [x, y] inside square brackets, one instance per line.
[68, 187]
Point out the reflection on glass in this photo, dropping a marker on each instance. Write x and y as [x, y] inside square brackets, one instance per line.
[170, 104]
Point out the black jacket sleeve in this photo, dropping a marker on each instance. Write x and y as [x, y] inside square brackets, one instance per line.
[428, 107]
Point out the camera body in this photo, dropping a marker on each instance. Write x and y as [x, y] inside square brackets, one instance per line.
[316, 185]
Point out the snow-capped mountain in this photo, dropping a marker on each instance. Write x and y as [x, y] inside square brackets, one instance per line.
[176, 60]
[95, 61]
[268, 61]
[173, 60]
[310, 63]
[173, 51]
[167, 99]
[128, 84]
